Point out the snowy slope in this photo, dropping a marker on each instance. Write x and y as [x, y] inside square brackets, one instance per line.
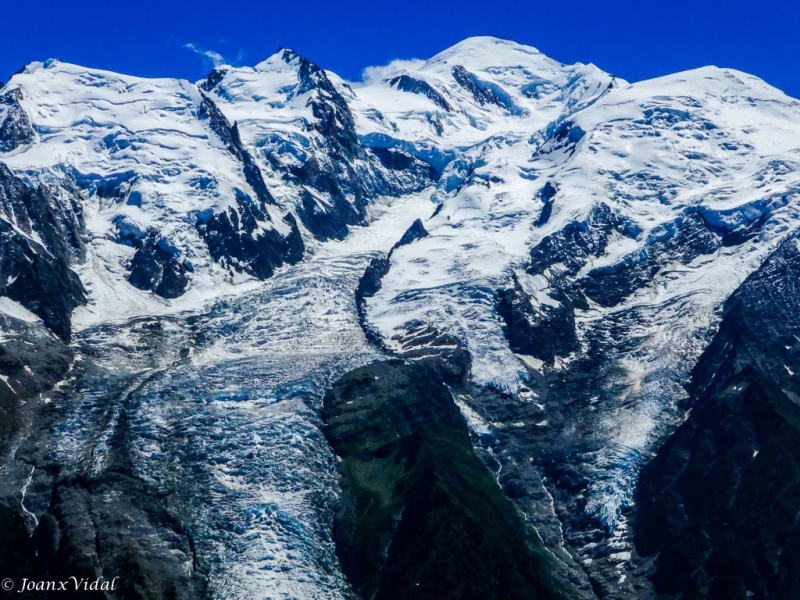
[499, 83]
[146, 158]
[712, 140]
[297, 119]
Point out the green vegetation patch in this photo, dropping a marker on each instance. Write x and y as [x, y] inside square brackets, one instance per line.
[421, 517]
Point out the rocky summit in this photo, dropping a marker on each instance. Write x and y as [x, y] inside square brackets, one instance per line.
[479, 326]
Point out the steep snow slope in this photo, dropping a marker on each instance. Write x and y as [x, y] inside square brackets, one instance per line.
[715, 143]
[156, 165]
[711, 141]
[479, 88]
[297, 118]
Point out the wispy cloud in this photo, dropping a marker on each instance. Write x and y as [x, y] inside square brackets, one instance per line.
[395, 67]
[211, 58]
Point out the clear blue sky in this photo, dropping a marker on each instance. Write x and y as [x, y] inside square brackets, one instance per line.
[635, 40]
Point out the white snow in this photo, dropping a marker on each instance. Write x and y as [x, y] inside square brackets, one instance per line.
[650, 150]
[16, 310]
[4, 379]
[23, 493]
[143, 138]
[475, 422]
[531, 361]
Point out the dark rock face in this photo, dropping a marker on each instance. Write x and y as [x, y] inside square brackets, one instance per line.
[548, 330]
[156, 268]
[15, 127]
[436, 123]
[54, 214]
[234, 237]
[370, 281]
[332, 170]
[334, 119]
[547, 195]
[91, 521]
[408, 172]
[36, 272]
[229, 134]
[485, 92]
[718, 502]
[93, 530]
[329, 222]
[443, 355]
[682, 241]
[338, 176]
[213, 79]
[574, 244]
[415, 232]
[32, 361]
[406, 83]
[368, 286]
[235, 241]
[568, 444]
[419, 510]
[511, 451]
[562, 138]
[545, 331]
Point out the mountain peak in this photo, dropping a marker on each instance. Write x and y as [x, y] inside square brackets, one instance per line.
[718, 81]
[289, 56]
[484, 52]
[487, 43]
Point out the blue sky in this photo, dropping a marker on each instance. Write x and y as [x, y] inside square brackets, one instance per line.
[634, 39]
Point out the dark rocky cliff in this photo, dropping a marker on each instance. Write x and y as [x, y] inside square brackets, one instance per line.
[419, 509]
[40, 237]
[718, 505]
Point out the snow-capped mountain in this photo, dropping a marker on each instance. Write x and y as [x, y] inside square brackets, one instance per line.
[227, 282]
